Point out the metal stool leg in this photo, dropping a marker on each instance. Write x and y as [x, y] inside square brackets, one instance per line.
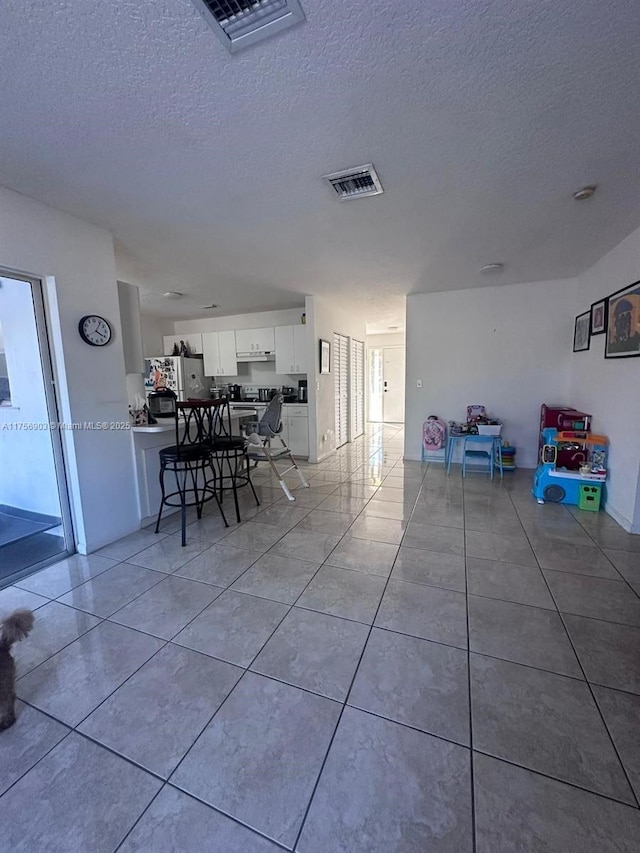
[162, 468]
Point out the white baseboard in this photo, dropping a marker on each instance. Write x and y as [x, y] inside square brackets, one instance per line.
[621, 519]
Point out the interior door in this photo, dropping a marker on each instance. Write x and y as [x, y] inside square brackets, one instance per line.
[357, 388]
[393, 384]
[341, 379]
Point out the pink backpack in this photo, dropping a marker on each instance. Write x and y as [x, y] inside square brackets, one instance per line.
[433, 433]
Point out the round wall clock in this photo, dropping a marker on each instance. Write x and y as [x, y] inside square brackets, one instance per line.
[94, 330]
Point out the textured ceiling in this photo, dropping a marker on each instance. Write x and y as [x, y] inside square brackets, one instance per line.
[481, 117]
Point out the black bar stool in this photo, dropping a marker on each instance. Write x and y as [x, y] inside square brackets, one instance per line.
[230, 453]
[190, 459]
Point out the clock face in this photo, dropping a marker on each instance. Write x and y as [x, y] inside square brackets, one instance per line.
[94, 330]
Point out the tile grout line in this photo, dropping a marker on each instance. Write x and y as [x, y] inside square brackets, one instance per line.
[474, 839]
[591, 692]
[344, 703]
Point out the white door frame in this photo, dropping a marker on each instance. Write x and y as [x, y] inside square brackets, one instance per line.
[53, 413]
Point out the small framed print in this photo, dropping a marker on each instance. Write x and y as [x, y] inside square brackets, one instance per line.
[582, 328]
[599, 317]
[325, 356]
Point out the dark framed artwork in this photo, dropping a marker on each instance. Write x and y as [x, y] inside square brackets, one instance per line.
[599, 317]
[581, 332]
[325, 356]
[623, 323]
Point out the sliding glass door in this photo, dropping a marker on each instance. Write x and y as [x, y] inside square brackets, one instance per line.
[35, 526]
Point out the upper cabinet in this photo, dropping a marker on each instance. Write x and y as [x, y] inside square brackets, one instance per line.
[255, 340]
[219, 351]
[193, 342]
[291, 350]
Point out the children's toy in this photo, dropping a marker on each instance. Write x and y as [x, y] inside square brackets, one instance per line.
[565, 418]
[560, 485]
[508, 457]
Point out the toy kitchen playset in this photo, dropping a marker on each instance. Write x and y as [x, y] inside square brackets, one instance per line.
[572, 465]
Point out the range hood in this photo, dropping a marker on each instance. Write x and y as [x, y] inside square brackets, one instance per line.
[255, 356]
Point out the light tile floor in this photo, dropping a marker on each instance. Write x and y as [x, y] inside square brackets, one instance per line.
[400, 662]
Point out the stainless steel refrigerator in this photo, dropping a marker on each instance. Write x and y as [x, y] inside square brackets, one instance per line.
[183, 375]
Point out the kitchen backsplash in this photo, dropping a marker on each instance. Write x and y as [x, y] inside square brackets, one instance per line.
[260, 373]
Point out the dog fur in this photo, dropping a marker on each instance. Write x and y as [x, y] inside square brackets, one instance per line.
[12, 629]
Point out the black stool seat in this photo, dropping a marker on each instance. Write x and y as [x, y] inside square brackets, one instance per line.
[184, 453]
[228, 443]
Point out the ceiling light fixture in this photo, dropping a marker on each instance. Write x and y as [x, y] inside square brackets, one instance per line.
[489, 269]
[208, 307]
[585, 193]
[172, 294]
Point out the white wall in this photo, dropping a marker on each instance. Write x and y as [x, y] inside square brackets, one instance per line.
[153, 330]
[504, 347]
[392, 339]
[28, 479]
[76, 260]
[610, 388]
[288, 317]
[324, 317]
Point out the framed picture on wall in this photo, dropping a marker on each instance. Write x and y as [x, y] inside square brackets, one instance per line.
[623, 323]
[599, 317]
[581, 336]
[325, 356]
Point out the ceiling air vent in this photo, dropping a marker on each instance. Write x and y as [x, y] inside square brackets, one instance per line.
[240, 23]
[358, 182]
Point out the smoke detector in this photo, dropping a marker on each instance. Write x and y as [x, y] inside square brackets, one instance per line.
[172, 294]
[358, 182]
[240, 23]
[585, 193]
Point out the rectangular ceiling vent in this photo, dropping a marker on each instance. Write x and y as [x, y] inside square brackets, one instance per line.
[240, 23]
[358, 182]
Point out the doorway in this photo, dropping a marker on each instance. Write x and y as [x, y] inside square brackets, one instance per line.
[393, 385]
[35, 526]
[386, 375]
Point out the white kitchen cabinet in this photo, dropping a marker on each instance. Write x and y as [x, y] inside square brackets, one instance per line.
[300, 348]
[285, 353]
[291, 354]
[295, 423]
[227, 347]
[255, 340]
[193, 342]
[219, 351]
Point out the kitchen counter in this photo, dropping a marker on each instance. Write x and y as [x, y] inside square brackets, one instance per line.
[150, 428]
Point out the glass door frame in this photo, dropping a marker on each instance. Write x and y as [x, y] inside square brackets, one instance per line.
[53, 414]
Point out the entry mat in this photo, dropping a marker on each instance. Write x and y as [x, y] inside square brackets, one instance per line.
[16, 524]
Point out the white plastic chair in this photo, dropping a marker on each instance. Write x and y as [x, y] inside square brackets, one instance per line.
[258, 436]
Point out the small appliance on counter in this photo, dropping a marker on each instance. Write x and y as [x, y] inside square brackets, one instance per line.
[289, 394]
[266, 394]
[162, 403]
[234, 392]
[302, 391]
[216, 393]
